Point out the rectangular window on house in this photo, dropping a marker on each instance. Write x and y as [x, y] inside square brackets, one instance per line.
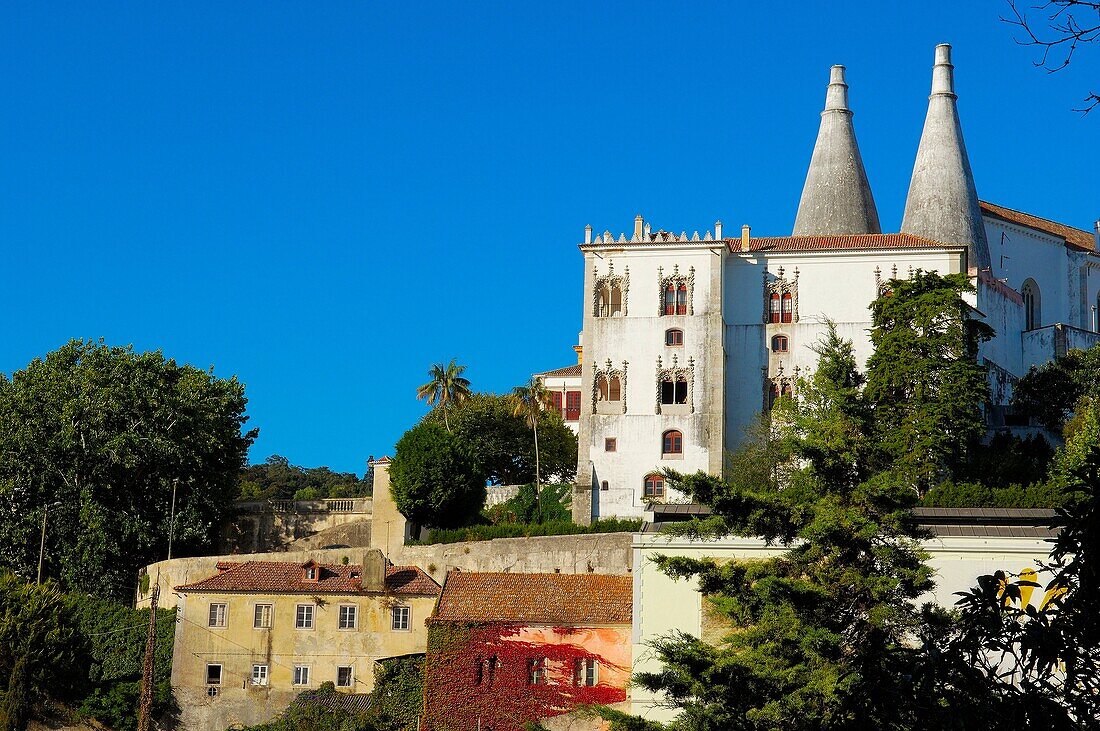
[303, 617]
[555, 398]
[668, 392]
[536, 671]
[400, 617]
[301, 675]
[587, 672]
[349, 616]
[572, 405]
[609, 444]
[218, 615]
[213, 674]
[259, 674]
[262, 617]
[344, 677]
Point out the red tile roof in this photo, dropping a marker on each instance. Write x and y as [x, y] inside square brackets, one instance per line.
[555, 599]
[838, 243]
[567, 372]
[1074, 237]
[278, 577]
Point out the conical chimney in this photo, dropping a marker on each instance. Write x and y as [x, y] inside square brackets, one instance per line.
[942, 204]
[836, 198]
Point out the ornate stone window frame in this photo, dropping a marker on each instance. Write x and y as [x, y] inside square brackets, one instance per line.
[610, 280]
[609, 372]
[677, 280]
[882, 286]
[672, 373]
[780, 380]
[780, 285]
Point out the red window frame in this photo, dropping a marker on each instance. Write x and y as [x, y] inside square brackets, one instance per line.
[788, 307]
[610, 444]
[653, 486]
[572, 405]
[555, 399]
[672, 442]
[681, 300]
[780, 344]
[670, 300]
[774, 306]
[674, 337]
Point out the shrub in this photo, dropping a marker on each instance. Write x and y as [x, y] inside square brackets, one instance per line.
[528, 530]
[974, 495]
[523, 508]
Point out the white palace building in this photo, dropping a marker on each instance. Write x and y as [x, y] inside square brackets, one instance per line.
[685, 338]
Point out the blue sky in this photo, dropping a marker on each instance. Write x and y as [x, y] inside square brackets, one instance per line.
[325, 198]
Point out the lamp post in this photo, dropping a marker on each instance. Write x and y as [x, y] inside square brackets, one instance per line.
[42, 542]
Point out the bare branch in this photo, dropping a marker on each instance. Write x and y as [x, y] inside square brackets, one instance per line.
[1065, 32]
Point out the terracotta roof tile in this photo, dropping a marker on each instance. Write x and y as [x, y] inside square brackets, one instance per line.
[567, 372]
[284, 577]
[837, 243]
[1074, 237]
[556, 599]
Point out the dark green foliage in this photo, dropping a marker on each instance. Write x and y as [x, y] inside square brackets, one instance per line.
[105, 433]
[818, 634]
[277, 479]
[435, 479]
[1042, 659]
[526, 530]
[975, 495]
[503, 443]
[318, 710]
[1049, 393]
[1008, 460]
[553, 503]
[923, 381]
[398, 693]
[15, 705]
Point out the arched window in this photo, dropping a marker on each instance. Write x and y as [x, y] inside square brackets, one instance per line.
[773, 395]
[674, 337]
[787, 389]
[616, 300]
[603, 305]
[654, 486]
[1033, 313]
[672, 442]
[670, 299]
[614, 388]
[601, 388]
[788, 307]
[779, 343]
[774, 307]
[682, 300]
[674, 391]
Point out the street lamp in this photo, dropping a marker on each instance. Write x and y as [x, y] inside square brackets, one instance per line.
[42, 543]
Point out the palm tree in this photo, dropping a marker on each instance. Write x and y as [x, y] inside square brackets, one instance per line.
[529, 401]
[446, 387]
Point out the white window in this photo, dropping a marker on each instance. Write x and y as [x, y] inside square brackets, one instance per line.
[259, 674]
[303, 617]
[349, 616]
[345, 678]
[401, 618]
[301, 675]
[213, 674]
[536, 671]
[262, 618]
[587, 672]
[218, 614]
[311, 573]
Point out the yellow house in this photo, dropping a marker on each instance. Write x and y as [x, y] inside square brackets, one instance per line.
[253, 636]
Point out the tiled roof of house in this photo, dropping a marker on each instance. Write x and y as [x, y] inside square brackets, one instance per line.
[555, 599]
[838, 243]
[1074, 237]
[280, 577]
[573, 371]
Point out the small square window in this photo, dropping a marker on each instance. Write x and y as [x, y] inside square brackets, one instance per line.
[259, 674]
[609, 444]
[344, 677]
[401, 618]
[349, 616]
[303, 618]
[213, 674]
[218, 615]
[301, 675]
[262, 617]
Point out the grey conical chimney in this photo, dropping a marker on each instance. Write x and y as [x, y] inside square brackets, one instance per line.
[942, 203]
[836, 198]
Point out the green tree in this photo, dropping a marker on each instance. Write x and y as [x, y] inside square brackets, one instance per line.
[434, 479]
[447, 387]
[924, 384]
[1050, 392]
[502, 441]
[104, 433]
[531, 401]
[817, 635]
[278, 479]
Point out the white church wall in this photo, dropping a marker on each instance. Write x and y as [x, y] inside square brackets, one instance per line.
[1020, 253]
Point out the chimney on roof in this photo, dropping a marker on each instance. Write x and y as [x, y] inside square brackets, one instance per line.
[588, 234]
[579, 350]
[836, 198]
[1096, 235]
[942, 204]
[639, 222]
[373, 570]
[718, 230]
[745, 237]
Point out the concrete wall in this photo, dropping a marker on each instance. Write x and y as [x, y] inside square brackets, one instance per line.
[601, 553]
[663, 605]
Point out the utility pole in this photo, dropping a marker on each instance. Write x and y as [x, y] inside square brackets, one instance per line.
[42, 544]
[145, 708]
[172, 518]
